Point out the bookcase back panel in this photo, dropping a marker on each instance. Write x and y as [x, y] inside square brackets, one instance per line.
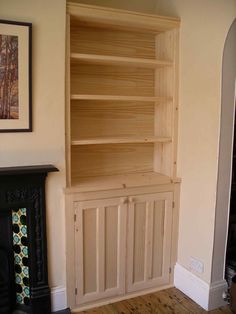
[106, 118]
[111, 80]
[112, 42]
[111, 159]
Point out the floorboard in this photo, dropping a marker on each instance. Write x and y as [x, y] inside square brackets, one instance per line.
[169, 301]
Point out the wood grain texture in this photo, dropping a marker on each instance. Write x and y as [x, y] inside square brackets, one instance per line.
[111, 80]
[119, 181]
[105, 41]
[169, 301]
[120, 140]
[100, 228]
[121, 98]
[84, 58]
[111, 159]
[121, 18]
[149, 241]
[107, 118]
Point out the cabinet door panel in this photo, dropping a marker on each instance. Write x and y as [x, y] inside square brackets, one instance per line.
[149, 241]
[100, 237]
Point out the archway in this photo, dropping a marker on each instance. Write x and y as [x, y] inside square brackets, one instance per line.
[225, 156]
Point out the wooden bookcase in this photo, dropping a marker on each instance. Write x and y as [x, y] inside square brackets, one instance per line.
[121, 139]
[122, 97]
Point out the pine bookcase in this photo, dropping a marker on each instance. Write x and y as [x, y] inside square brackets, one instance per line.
[121, 151]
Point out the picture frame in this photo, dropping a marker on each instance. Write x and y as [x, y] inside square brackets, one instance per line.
[15, 76]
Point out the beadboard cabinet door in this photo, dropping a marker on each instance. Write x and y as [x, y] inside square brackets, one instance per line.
[100, 240]
[149, 241]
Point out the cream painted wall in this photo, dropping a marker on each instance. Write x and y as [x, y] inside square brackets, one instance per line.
[147, 6]
[45, 145]
[204, 26]
[200, 98]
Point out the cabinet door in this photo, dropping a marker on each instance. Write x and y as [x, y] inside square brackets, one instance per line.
[100, 238]
[149, 241]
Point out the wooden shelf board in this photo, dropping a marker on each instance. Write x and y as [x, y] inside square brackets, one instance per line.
[121, 19]
[120, 98]
[122, 181]
[121, 140]
[113, 60]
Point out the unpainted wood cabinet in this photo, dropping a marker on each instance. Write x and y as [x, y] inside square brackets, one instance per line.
[100, 244]
[121, 152]
[149, 241]
[122, 245]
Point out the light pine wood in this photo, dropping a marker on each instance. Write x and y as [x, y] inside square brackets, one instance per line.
[75, 198]
[111, 42]
[111, 80]
[167, 301]
[91, 119]
[70, 250]
[68, 107]
[122, 94]
[111, 62]
[120, 140]
[149, 241]
[120, 98]
[121, 18]
[100, 267]
[111, 159]
[114, 60]
[165, 114]
[120, 181]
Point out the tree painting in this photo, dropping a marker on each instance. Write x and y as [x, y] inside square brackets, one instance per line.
[9, 97]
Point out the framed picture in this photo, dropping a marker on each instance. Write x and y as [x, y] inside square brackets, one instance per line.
[15, 76]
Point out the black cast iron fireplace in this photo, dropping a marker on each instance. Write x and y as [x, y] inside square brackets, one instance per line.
[23, 245]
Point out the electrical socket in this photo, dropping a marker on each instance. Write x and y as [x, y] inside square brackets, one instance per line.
[196, 265]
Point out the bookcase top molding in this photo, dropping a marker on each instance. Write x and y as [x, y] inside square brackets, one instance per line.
[121, 18]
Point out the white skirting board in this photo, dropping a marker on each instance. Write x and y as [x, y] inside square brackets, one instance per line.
[58, 299]
[208, 296]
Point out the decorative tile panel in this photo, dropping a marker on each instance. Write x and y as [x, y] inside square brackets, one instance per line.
[21, 257]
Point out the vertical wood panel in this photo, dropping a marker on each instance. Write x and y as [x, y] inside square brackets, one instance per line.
[67, 109]
[139, 241]
[149, 240]
[158, 237]
[90, 250]
[100, 238]
[164, 159]
[79, 251]
[111, 246]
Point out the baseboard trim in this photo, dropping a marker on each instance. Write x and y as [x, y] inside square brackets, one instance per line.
[207, 296]
[58, 298]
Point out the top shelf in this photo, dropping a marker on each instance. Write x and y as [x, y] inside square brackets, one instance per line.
[113, 60]
[121, 19]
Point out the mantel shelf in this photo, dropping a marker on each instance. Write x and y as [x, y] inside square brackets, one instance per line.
[121, 140]
[25, 170]
[121, 98]
[114, 60]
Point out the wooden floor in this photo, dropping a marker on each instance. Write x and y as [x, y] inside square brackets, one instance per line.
[170, 301]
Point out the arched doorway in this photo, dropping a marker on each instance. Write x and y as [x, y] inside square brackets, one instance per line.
[225, 156]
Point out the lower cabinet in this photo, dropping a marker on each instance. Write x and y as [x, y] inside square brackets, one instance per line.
[100, 246]
[149, 241]
[122, 245]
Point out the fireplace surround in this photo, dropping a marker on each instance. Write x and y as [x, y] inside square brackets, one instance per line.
[23, 243]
